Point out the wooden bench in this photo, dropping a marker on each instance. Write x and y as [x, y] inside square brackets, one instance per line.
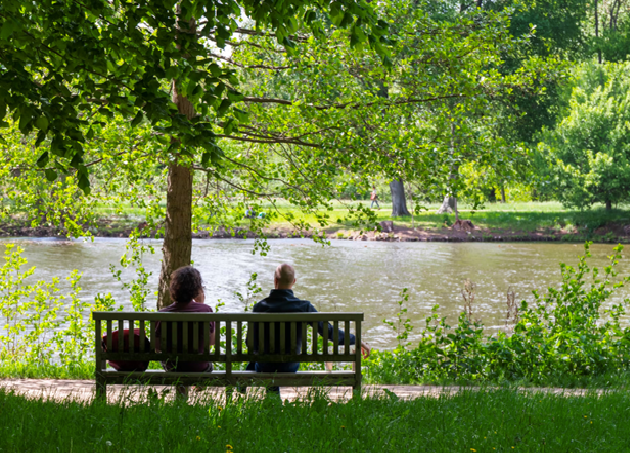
[231, 347]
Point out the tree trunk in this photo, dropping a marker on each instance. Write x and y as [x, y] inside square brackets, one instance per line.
[399, 203]
[178, 235]
[608, 205]
[448, 205]
[502, 194]
[599, 51]
[178, 238]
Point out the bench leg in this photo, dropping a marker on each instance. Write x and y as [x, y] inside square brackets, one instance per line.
[181, 392]
[101, 389]
[229, 394]
[356, 391]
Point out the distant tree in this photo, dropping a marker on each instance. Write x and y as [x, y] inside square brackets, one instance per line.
[586, 157]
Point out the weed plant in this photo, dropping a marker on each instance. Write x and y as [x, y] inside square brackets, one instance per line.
[467, 421]
[564, 338]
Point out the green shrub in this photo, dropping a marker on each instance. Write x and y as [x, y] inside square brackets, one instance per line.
[561, 338]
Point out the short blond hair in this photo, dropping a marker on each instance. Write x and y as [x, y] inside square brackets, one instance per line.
[285, 275]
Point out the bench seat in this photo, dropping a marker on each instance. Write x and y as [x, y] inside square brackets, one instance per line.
[222, 379]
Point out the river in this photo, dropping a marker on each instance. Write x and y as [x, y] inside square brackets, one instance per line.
[346, 276]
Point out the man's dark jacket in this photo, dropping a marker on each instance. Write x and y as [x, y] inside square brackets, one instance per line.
[283, 301]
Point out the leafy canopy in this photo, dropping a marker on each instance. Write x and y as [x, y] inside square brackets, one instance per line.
[67, 65]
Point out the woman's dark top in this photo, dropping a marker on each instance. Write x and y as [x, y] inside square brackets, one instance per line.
[190, 307]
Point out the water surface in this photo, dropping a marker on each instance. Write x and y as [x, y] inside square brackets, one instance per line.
[347, 276]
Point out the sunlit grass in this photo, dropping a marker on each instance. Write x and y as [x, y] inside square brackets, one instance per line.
[468, 421]
[513, 216]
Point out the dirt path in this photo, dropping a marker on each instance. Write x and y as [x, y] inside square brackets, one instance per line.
[83, 390]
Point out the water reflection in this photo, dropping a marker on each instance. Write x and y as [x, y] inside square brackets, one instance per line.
[348, 276]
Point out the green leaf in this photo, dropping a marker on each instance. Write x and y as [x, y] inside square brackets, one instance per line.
[241, 115]
[41, 136]
[76, 161]
[43, 160]
[228, 128]
[215, 70]
[223, 107]
[42, 123]
[7, 30]
[137, 119]
[205, 159]
[293, 25]
[51, 174]
[84, 184]
[309, 16]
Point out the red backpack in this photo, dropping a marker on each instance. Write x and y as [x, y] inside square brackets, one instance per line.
[127, 365]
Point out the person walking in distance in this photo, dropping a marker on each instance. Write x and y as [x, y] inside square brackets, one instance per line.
[374, 198]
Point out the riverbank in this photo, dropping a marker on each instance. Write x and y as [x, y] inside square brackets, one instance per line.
[466, 421]
[516, 222]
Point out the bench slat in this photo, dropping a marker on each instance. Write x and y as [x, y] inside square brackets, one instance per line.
[261, 338]
[315, 346]
[121, 336]
[228, 347]
[163, 338]
[174, 342]
[206, 337]
[109, 335]
[272, 338]
[217, 342]
[132, 336]
[304, 338]
[336, 337]
[185, 344]
[142, 333]
[293, 344]
[239, 337]
[346, 339]
[196, 337]
[98, 346]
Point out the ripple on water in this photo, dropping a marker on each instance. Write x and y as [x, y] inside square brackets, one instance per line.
[348, 276]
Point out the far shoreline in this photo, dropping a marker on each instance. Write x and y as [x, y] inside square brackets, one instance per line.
[400, 233]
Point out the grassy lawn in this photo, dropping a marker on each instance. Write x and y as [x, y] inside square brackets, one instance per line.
[511, 217]
[469, 421]
[523, 217]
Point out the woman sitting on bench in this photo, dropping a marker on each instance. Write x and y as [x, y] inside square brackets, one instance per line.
[186, 291]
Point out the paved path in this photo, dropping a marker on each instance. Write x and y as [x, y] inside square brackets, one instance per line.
[83, 390]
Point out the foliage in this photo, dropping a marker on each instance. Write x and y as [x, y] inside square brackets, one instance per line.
[400, 325]
[122, 57]
[561, 339]
[138, 287]
[36, 329]
[585, 159]
[416, 122]
[309, 110]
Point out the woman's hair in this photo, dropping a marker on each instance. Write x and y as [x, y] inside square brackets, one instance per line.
[186, 284]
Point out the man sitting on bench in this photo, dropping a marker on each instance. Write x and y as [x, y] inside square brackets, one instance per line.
[282, 300]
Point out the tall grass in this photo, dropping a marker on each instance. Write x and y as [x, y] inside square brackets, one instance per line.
[468, 421]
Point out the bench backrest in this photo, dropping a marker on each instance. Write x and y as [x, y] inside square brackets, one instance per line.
[231, 344]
